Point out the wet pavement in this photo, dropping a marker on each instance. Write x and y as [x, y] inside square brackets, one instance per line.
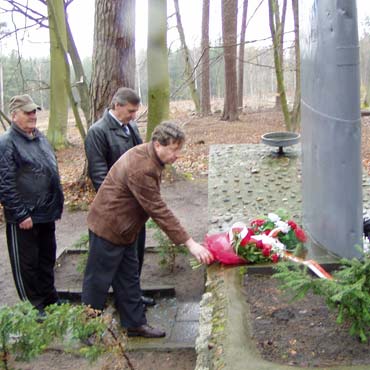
[180, 320]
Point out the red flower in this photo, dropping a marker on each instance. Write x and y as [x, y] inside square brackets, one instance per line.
[301, 236]
[267, 231]
[259, 244]
[258, 222]
[247, 238]
[275, 258]
[244, 241]
[266, 251]
[292, 224]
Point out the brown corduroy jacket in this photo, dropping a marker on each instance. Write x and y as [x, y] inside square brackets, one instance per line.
[129, 195]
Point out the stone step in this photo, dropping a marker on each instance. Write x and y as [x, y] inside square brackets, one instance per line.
[180, 320]
[157, 291]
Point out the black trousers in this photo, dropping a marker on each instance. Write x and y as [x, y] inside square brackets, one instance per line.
[117, 266]
[141, 248]
[32, 256]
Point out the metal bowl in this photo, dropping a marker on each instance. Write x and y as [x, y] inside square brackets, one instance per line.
[281, 139]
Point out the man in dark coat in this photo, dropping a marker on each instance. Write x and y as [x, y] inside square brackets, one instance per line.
[110, 137]
[31, 194]
[129, 195]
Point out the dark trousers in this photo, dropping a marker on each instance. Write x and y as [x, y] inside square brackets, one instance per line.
[141, 248]
[32, 256]
[117, 266]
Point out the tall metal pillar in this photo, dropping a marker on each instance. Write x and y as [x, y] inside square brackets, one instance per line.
[331, 124]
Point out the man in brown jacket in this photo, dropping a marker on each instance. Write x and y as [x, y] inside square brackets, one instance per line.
[129, 195]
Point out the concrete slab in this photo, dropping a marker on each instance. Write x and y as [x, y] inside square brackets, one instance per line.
[178, 319]
[185, 332]
[188, 311]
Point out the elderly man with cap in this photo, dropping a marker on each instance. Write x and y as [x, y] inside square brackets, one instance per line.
[32, 197]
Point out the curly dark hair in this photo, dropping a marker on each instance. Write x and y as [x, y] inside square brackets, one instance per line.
[168, 132]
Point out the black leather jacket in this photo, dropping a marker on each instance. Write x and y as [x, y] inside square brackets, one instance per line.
[29, 179]
[105, 142]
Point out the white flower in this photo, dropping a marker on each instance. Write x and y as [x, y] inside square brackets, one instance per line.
[283, 226]
[276, 245]
[366, 244]
[273, 217]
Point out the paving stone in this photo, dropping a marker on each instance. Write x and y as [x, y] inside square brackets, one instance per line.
[188, 311]
[185, 332]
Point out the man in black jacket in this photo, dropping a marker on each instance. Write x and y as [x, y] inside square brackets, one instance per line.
[32, 197]
[110, 137]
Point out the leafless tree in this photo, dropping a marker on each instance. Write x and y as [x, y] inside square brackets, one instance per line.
[189, 71]
[113, 52]
[205, 90]
[158, 78]
[297, 96]
[229, 30]
[241, 56]
[275, 28]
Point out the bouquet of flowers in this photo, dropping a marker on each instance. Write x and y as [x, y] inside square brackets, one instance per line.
[266, 239]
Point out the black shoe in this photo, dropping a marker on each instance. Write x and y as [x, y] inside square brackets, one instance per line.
[41, 316]
[145, 331]
[148, 301]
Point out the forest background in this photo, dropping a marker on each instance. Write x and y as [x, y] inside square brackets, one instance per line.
[25, 46]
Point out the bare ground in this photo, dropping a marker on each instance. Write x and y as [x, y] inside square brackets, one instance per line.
[301, 333]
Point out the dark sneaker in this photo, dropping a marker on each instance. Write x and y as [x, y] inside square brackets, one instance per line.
[148, 301]
[145, 331]
[41, 316]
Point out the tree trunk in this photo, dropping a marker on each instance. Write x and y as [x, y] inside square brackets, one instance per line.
[81, 81]
[157, 60]
[278, 69]
[205, 90]
[113, 53]
[67, 81]
[296, 113]
[58, 118]
[189, 68]
[229, 28]
[280, 29]
[4, 118]
[241, 56]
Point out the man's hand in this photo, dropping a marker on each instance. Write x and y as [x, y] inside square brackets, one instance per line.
[26, 224]
[202, 254]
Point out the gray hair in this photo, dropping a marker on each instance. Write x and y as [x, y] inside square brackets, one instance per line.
[123, 96]
[168, 132]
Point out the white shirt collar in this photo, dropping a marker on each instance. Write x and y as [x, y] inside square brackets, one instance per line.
[115, 118]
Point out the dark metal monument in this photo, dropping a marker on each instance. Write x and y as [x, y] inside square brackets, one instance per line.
[331, 125]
